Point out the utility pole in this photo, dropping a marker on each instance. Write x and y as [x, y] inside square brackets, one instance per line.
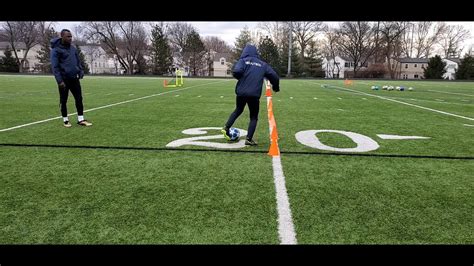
[289, 51]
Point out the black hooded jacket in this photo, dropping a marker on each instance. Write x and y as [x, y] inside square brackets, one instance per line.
[250, 71]
[65, 61]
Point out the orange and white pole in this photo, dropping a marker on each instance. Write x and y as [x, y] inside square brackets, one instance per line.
[274, 149]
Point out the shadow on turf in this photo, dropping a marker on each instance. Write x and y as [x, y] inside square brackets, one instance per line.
[242, 151]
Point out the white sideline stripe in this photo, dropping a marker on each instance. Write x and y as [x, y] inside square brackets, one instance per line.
[286, 229]
[106, 106]
[410, 104]
[453, 93]
[467, 125]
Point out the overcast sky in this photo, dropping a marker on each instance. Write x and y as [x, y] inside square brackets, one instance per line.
[228, 31]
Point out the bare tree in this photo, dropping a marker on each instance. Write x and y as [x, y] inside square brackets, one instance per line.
[276, 31]
[108, 33]
[420, 38]
[26, 32]
[216, 44]
[330, 51]
[47, 33]
[135, 39]
[178, 33]
[391, 38]
[407, 41]
[451, 40]
[356, 40]
[304, 31]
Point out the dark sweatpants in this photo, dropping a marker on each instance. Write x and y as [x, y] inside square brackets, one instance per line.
[254, 106]
[74, 86]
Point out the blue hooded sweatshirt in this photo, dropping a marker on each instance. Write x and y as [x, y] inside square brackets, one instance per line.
[250, 71]
[65, 61]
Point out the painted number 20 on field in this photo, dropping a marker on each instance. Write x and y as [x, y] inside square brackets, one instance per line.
[308, 138]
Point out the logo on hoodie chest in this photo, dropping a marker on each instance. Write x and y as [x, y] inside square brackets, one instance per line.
[253, 63]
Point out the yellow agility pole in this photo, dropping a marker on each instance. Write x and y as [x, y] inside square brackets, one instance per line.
[179, 81]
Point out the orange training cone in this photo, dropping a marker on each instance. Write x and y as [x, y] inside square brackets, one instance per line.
[268, 92]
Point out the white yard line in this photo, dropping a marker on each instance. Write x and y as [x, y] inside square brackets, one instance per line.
[453, 93]
[109, 105]
[410, 104]
[384, 136]
[286, 229]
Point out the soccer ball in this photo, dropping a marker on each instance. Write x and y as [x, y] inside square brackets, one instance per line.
[234, 134]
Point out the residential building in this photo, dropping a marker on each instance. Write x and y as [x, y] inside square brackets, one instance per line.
[31, 64]
[412, 68]
[340, 67]
[98, 60]
[221, 67]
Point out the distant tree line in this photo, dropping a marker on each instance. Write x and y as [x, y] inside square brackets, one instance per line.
[156, 48]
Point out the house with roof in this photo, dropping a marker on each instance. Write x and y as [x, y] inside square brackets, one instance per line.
[412, 68]
[214, 65]
[340, 67]
[31, 63]
[221, 65]
[98, 60]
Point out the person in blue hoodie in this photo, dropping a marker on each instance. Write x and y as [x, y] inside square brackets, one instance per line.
[250, 71]
[67, 71]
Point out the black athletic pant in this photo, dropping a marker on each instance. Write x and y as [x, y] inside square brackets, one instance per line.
[254, 106]
[74, 86]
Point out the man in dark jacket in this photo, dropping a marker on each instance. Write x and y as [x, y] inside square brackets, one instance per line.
[67, 71]
[250, 72]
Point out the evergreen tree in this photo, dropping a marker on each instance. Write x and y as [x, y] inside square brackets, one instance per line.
[8, 63]
[44, 54]
[313, 62]
[243, 39]
[269, 53]
[84, 65]
[194, 51]
[162, 58]
[435, 68]
[466, 68]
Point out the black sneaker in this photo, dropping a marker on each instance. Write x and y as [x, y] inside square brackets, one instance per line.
[67, 124]
[84, 123]
[250, 142]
